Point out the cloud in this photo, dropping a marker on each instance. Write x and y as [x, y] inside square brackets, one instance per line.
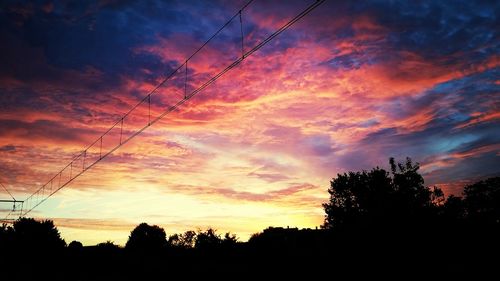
[7, 148]
[109, 224]
[348, 86]
[281, 195]
[44, 130]
[269, 177]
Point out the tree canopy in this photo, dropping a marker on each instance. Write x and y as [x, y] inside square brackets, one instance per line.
[32, 233]
[385, 220]
[147, 237]
[482, 201]
[377, 195]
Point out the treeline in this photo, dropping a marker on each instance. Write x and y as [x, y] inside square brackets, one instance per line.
[381, 198]
[30, 234]
[378, 223]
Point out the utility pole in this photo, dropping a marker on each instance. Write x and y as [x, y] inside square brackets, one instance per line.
[14, 206]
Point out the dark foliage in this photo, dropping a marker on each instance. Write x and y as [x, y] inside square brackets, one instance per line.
[147, 238]
[75, 245]
[377, 196]
[453, 209]
[32, 234]
[482, 201]
[185, 240]
[378, 224]
[208, 240]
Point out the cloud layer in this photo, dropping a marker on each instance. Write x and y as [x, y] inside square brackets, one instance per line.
[349, 86]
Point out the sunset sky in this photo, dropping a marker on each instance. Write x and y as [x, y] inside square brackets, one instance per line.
[350, 85]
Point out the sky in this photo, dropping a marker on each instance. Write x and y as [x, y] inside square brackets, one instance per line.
[350, 85]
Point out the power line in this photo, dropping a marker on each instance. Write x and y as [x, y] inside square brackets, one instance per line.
[7, 190]
[147, 98]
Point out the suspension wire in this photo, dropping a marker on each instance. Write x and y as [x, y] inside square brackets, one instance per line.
[235, 63]
[14, 201]
[185, 79]
[10, 194]
[7, 216]
[242, 38]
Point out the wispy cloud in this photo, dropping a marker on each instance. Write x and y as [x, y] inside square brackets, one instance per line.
[347, 87]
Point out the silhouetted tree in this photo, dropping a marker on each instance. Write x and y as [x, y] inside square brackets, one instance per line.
[354, 195]
[437, 196]
[5, 230]
[75, 245]
[409, 190]
[229, 241]
[75, 249]
[208, 239]
[146, 238]
[274, 238]
[185, 240]
[108, 246]
[453, 209]
[6, 237]
[374, 196]
[230, 238]
[174, 240]
[37, 234]
[482, 201]
[107, 252]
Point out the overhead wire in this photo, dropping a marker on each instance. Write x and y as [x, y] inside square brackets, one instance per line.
[3, 186]
[235, 63]
[13, 201]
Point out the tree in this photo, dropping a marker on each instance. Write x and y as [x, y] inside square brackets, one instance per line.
[185, 240]
[409, 190]
[230, 239]
[453, 209]
[482, 201]
[371, 197]
[6, 237]
[75, 245]
[146, 238]
[208, 239]
[108, 247]
[351, 196]
[35, 234]
[437, 196]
